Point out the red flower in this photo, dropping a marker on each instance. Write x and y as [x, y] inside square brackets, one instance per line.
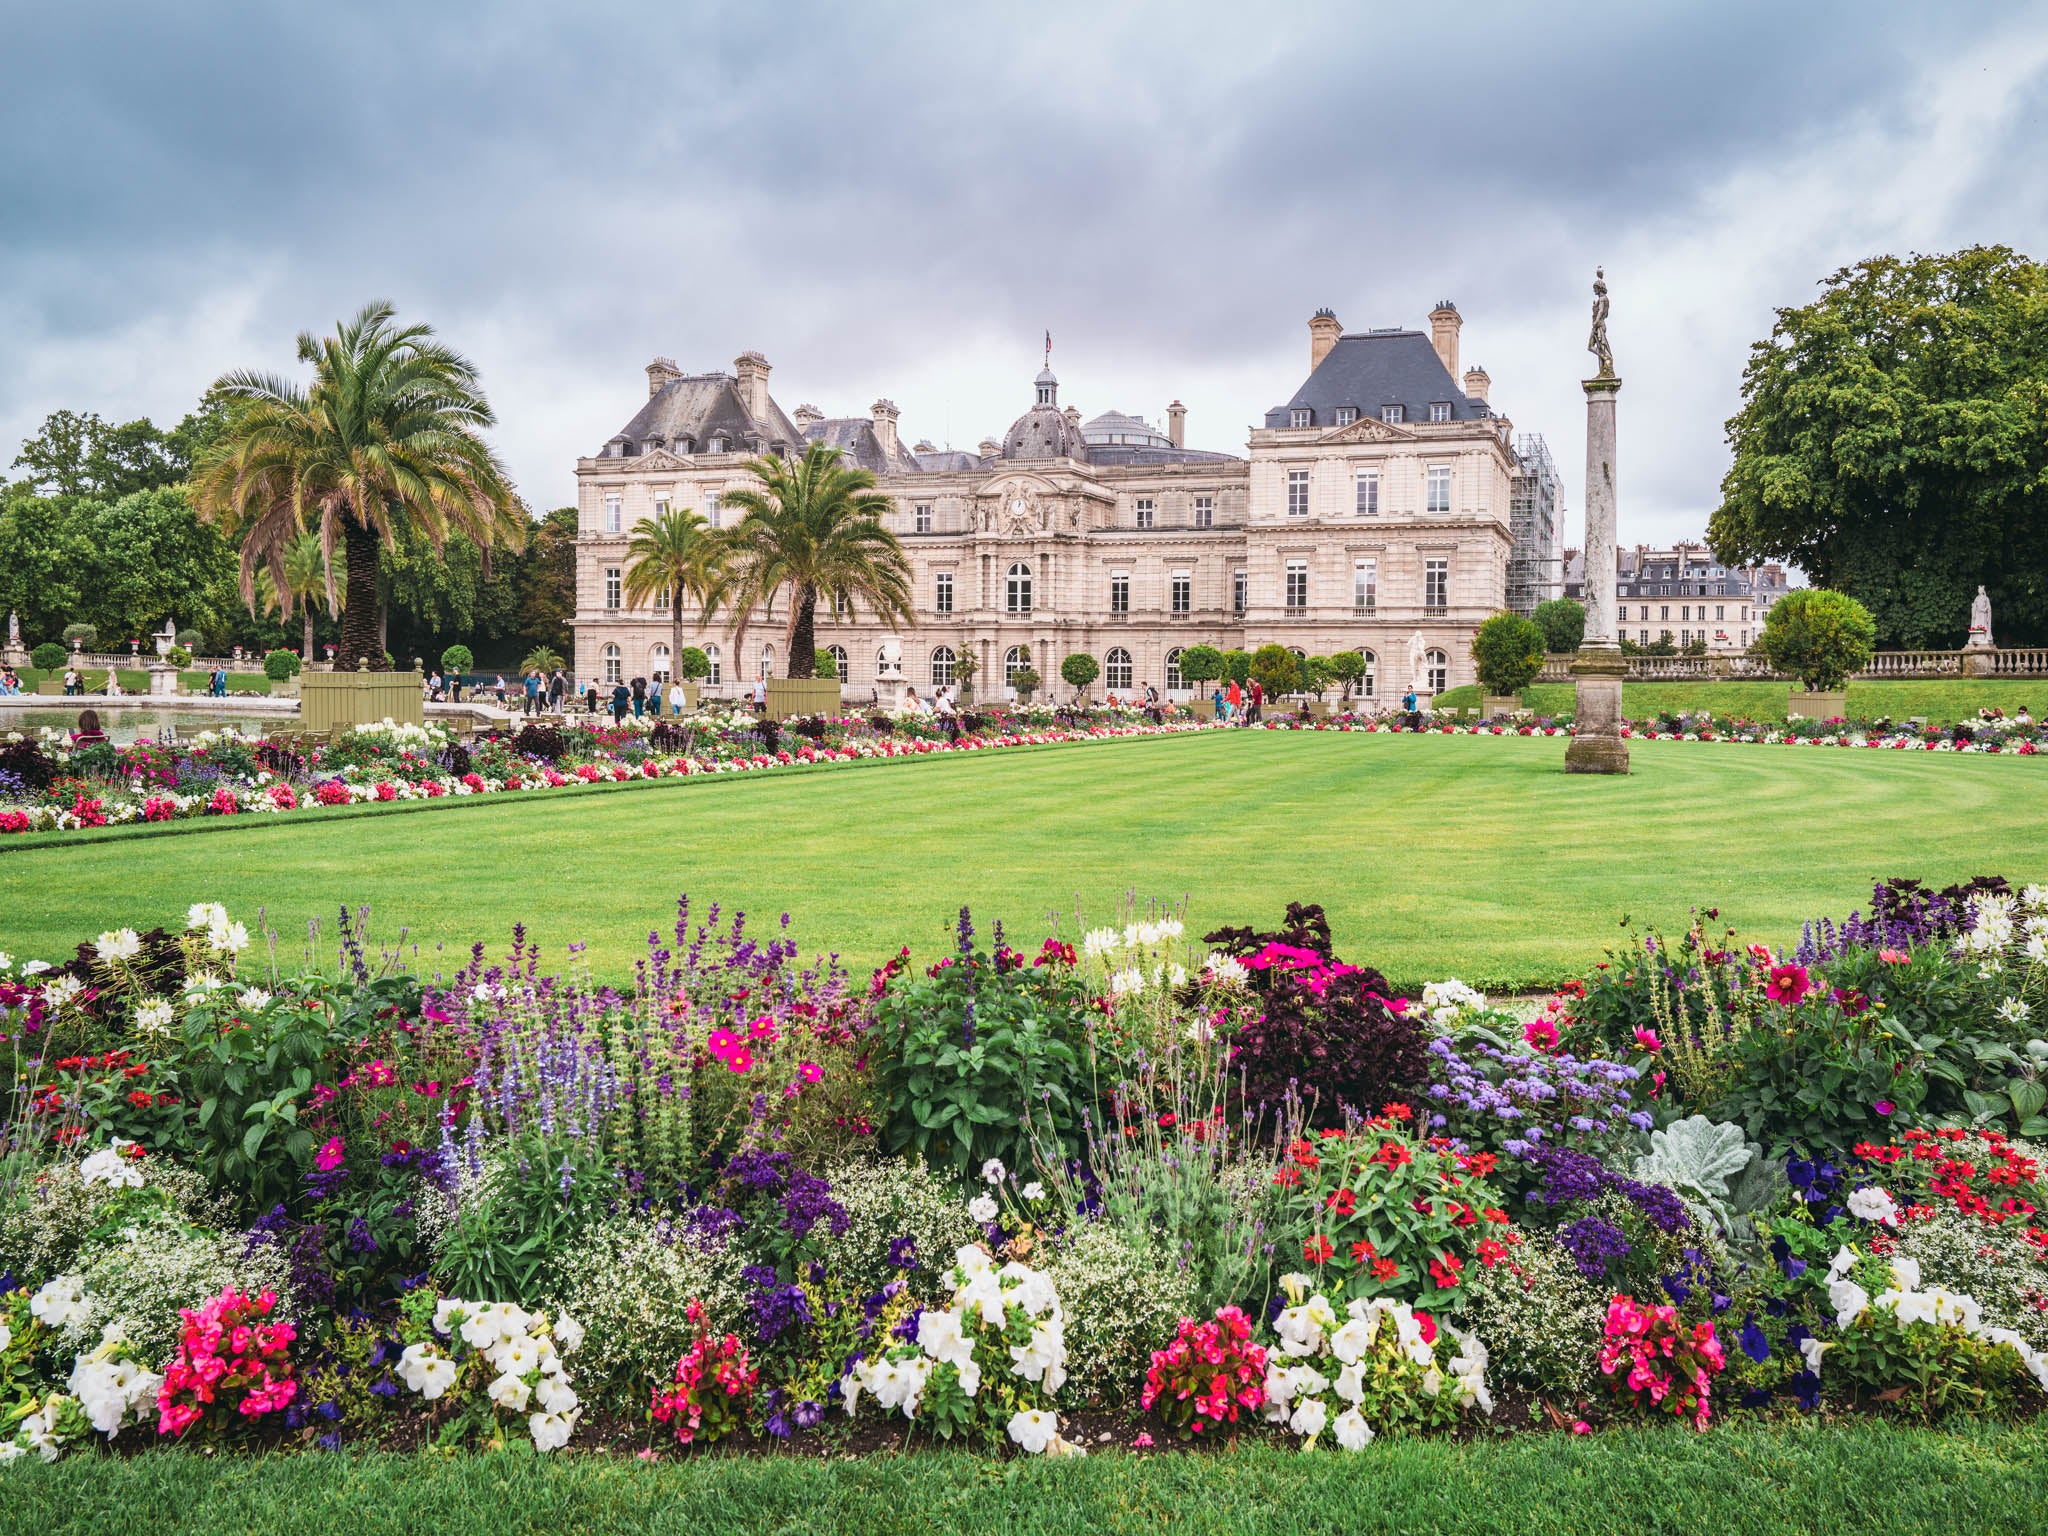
[1446, 1270]
[1363, 1250]
[1344, 1203]
[1317, 1250]
[1385, 1270]
[1788, 984]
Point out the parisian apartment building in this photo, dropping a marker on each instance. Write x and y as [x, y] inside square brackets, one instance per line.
[1386, 497]
[1685, 596]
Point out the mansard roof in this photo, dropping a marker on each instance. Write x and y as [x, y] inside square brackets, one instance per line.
[856, 440]
[698, 406]
[1373, 369]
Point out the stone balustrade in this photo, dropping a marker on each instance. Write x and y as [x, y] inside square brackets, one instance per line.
[2010, 662]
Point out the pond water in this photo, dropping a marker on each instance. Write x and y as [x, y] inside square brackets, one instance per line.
[125, 725]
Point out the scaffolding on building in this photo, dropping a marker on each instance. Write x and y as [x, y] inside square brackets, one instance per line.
[1535, 525]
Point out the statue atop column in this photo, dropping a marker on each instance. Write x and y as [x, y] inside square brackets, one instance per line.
[1597, 342]
[1980, 622]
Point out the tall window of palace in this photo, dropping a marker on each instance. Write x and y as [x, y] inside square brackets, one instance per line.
[1438, 668]
[1439, 488]
[1173, 677]
[657, 663]
[943, 663]
[1015, 660]
[841, 666]
[1368, 685]
[612, 668]
[716, 674]
[1018, 590]
[1116, 669]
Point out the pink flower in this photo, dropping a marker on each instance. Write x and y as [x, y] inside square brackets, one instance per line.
[1581, 1427]
[1884, 1106]
[810, 1072]
[723, 1043]
[329, 1157]
[741, 1060]
[1144, 1441]
[1788, 984]
[1541, 1034]
[1647, 1039]
[1893, 956]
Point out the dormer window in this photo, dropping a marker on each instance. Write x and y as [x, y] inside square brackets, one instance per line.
[1393, 415]
[1440, 410]
[1300, 416]
[716, 445]
[1346, 414]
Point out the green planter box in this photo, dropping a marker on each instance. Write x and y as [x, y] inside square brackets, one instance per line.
[332, 700]
[802, 696]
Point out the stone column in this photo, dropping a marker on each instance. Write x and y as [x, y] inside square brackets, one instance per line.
[1597, 746]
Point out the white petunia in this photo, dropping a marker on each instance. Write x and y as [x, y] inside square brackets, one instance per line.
[1309, 1416]
[568, 1334]
[514, 1356]
[121, 944]
[551, 1431]
[1812, 1350]
[1034, 1429]
[1033, 1191]
[1350, 1383]
[1906, 1273]
[59, 1304]
[510, 1393]
[982, 1208]
[1848, 1299]
[940, 1335]
[1351, 1341]
[1351, 1430]
[425, 1370]
[555, 1395]
[1872, 1204]
[993, 1171]
[480, 1328]
[445, 1310]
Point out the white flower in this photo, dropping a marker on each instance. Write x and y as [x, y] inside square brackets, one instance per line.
[1224, 971]
[34, 967]
[60, 991]
[444, 1312]
[1044, 1358]
[515, 1356]
[1872, 1204]
[2014, 1010]
[255, 999]
[480, 1328]
[1351, 1430]
[551, 1431]
[206, 914]
[555, 1395]
[154, 1017]
[1031, 1290]
[1125, 982]
[993, 1171]
[6, 960]
[1350, 1383]
[109, 1165]
[1033, 1429]
[940, 1335]
[425, 1370]
[1100, 942]
[1906, 1273]
[1309, 1417]
[510, 1393]
[1812, 1350]
[39, 1429]
[982, 1208]
[1034, 1191]
[568, 1334]
[1352, 1340]
[972, 1260]
[6, 1337]
[1843, 1261]
[1848, 1299]
[59, 1304]
[121, 944]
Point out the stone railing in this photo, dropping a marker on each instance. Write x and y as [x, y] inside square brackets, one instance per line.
[2021, 662]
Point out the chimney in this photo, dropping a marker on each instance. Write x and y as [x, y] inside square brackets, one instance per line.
[1476, 380]
[752, 370]
[989, 448]
[1177, 424]
[1444, 322]
[1323, 331]
[807, 416]
[661, 371]
[885, 427]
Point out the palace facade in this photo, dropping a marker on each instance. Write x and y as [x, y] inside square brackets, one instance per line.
[1374, 504]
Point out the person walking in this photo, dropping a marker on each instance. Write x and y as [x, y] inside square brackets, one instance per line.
[558, 690]
[1236, 699]
[654, 698]
[1258, 703]
[761, 695]
[639, 696]
[533, 690]
[1216, 703]
[1408, 708]
[501, 690]
[622, 700]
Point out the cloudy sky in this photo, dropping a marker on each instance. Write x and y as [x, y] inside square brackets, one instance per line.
[890, 199]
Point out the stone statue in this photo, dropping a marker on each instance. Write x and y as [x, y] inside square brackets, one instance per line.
[1597, 342]
[890, 663]
[1417, 663]
[1980, 622]
[14, 628]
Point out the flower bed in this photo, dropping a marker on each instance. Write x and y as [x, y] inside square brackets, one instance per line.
[1138, 1186]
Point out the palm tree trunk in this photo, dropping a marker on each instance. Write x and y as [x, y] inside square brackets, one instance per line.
[803, 633]
[307, 658]
[359, 640]
[675, 639]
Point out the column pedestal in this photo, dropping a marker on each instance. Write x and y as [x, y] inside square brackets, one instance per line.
[1597, 746]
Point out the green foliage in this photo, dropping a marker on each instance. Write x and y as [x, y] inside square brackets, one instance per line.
[1200, 664]
[1563, 622]
[1508, 652]
[1318, 672]
[537, 1198]
[457, 658]
[49, 656]
[1080, 669]
[1275, 669]
[281, 664]
[85, 635]
[178, 656]
[1347, 668]
[1237, 666]
[543, 659]
[1025, 681]
[1820, 637]
[1890, 444]
[982, 1057]
[692, 663]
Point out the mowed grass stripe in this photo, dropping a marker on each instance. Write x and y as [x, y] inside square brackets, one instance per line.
[1473, 856]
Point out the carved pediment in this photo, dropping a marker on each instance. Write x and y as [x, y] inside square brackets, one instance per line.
[659, 458]
[1368, 429]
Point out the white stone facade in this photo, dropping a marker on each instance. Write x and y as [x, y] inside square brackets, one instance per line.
[1347, 532]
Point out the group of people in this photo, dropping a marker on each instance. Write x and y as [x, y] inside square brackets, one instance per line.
[449, 689]
[639, 698]
[944, 706]
[544, 691]
[10, 682]
[216, 683]
[1245, 704]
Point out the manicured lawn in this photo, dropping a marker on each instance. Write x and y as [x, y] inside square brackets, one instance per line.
[1472, 856]
[1904, 699]
[1794, 1479]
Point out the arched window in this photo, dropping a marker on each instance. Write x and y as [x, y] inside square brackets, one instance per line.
[1368, 686]
[840, 665]
[1016, 659]
[657, 663]
[612, 669]
[943, 662]
[1437, 667]
[767, 662]
[715, 676]
[1173, 678]
[1116, 669]
[1019, 590]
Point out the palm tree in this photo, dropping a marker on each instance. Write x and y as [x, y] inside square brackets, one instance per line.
[676, 556]
[814, 526]
[388, 436]
[542, 659]
[305, 582]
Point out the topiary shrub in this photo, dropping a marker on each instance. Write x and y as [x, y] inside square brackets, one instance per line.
[1275, 669]
[1820, 637]
[1563, 622]
[1508, 651]
[86, 635]
[1327, 1029]
[189, 638]
[692, 664]
[1080, 669]
[279, 665]
[1200, 664]
[48, 657]
[179, 656]
[457, 658]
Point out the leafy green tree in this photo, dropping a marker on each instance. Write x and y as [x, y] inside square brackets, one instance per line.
[1563, 622]
[81, 455]
[815, 527]
[1237, 666]
[543, 582]
[1820, 637]
[1890, 444]
[458, 659]
[84, 635]
[46, 562]
[677, 556]
[153, 560]
[1080, 670]
[281, 664]
[47, 657]
[1346, 668]
[1025, 680]
[1200, 664]
[56, 456]
[543, 660]
[1317, 674]
[1507, 650]
[692, 664]
[1274, 668]
[388, 437]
